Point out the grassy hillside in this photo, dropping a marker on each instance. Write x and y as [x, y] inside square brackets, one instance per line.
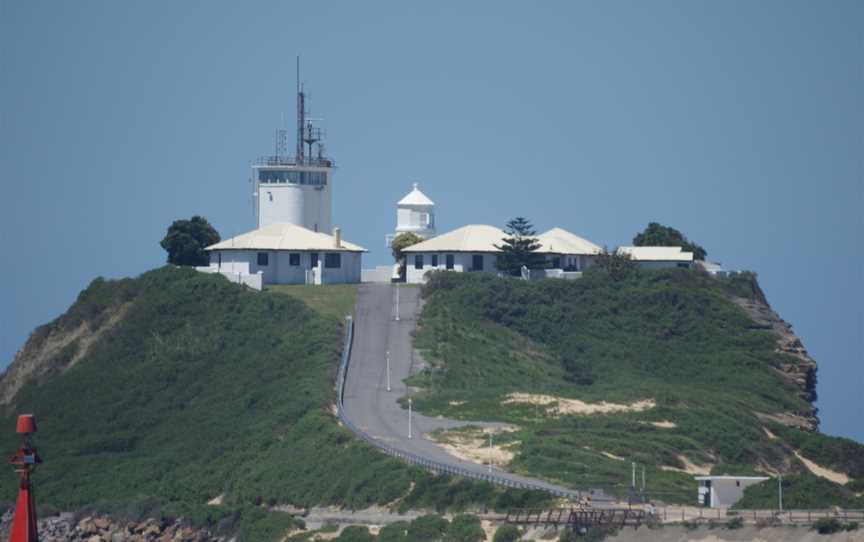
[203, 389]
[674, 339]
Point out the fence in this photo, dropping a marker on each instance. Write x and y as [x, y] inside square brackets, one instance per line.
[434, 466]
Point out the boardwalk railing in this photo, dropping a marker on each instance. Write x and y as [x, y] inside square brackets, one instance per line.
[429, 464]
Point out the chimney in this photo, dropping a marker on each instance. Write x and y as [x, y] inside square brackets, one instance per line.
[337, 238]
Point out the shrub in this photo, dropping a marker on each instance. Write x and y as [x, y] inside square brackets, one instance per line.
[827, 526]
[851, 526]
[735, 523]
[355, 533]
[465, 528]
[507, 533]
[428, 528]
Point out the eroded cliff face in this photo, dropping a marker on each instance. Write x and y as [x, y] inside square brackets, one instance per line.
[796, 366]
[57, 346]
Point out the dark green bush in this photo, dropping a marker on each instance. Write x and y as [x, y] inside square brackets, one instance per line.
[507, 533]
[827, 526]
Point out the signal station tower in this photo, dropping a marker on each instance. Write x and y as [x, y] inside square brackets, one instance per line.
[295, 189]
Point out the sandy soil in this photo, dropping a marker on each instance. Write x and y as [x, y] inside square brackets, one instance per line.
[560, 406]
[665, 424]
[834, 476]
[613, 456]
[473, 445]
[769, 434]
[690, 467]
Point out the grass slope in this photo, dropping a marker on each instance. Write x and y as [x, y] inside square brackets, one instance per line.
[206, 389]
[674, 337]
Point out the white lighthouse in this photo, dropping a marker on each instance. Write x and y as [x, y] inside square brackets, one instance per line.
[295, 190]
[415, 213]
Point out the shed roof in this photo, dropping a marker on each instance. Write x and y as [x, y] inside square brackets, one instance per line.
[415, 197]
[284, 236]
[657, 254]
[470, 238]
[560, 241]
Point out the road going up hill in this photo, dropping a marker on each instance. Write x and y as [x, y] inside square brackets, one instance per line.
[375, 412]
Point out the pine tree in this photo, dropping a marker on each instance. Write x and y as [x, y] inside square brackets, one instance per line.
[519, 248]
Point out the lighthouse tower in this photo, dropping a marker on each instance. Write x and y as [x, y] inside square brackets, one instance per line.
[295, 189]
[415, 213]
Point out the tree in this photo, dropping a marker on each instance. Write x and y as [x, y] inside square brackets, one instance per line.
[186, 240]
[618, 265]
[465, 528]
[401, 242]
[658, 235]
[507, 533]
[428, 528]
[519, 248]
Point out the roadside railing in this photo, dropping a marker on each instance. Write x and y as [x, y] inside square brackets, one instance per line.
[429, 464]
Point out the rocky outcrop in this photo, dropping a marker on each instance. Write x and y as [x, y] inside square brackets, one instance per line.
[796, 365]
[68, 528]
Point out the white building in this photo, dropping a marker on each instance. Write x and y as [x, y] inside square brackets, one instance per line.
[415, 213]
[474, 248]
[466, 249]
[724, 491]
[293, 192]
[567, 251]
[658, 257]
[286, 254]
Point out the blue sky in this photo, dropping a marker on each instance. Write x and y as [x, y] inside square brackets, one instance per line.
[740, 123]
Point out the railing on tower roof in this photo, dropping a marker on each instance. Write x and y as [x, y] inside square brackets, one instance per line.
[291, 161]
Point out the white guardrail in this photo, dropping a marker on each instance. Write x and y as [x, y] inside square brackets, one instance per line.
[434, 466]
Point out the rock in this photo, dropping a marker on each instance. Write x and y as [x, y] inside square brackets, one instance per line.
[102, 523]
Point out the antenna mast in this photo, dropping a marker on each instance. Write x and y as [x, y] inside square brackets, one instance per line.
[301, 114]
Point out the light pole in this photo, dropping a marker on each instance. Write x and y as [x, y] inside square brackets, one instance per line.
[490, 451]
[388, 370]
[780, 490]
[409, 417]
[397, 302]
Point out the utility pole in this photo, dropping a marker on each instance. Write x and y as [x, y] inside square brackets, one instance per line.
[388, 370]
[643, 479]
[780, 490]
[490, 451]
[409, 417]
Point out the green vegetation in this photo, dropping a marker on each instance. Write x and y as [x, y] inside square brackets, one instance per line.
[519, 248]
[658, 235]
[674, 338]
[186, 240]
[204, 389]
[801, 490]
[507, 533]
[335, 300]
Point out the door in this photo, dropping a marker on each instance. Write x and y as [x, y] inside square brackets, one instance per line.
[313, 260]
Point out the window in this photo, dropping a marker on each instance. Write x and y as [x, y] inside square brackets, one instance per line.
[737, 483]
[684, 265]
[333, 260]
[294, 259]
[418, 261]
[556, 262]
[263, 259]
[316, 178]
[449, 259]
[477, 262]
[434, 260]
[313, 260]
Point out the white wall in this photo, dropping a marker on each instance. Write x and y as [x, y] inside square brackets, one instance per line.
[302, 204]
[280, 271]
[725, 492]
[419, 219]
[462, 262]
[659, 265]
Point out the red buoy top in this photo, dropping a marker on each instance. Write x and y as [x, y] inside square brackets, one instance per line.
[26, 424]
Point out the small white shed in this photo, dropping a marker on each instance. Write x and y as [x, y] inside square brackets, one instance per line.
[285, 253]
[724, 491]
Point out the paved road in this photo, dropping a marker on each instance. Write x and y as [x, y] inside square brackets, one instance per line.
[368, 404]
